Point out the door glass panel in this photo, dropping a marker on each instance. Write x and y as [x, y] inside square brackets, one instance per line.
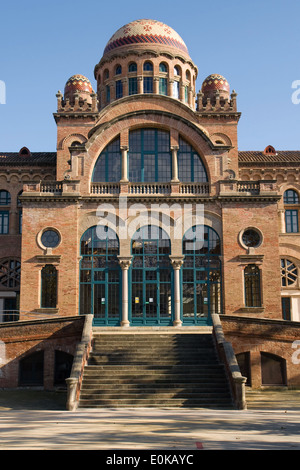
[99, 300]
[151, 300]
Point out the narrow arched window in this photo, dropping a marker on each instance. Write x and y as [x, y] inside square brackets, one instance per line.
[49, 286]
[148, 67]
[163, 68]
[291, 200]
[132, 67]
[118, 70]
[252, 286]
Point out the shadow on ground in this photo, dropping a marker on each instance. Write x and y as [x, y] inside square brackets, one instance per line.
[32, 400]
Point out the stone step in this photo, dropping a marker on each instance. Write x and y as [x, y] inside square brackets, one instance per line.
[155, 396]
[141, 362]
[154, 370]
[138, 368]
[156, 403]
[150, 387]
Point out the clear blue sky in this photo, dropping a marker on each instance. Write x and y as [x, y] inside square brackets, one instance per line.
[254, 44]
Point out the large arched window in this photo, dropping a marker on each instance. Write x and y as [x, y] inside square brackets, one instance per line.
[151, 277]
[201, 275]
[100, 278]
[190, 166]
[291, 205]
[108, 165]
[149, 155]
[252, 286]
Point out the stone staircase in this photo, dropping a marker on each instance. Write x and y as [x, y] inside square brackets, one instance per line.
[154, 370]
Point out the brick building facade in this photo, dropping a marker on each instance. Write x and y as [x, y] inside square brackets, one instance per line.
[149, 215]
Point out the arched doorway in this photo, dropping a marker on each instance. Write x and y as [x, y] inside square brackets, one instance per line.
[151, 277]
[100, 276]
[201, 275]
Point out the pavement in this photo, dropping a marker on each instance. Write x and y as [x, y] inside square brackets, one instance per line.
[36, 420]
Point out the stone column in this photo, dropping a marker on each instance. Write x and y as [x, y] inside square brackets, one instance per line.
[125, 263]
[140, 85]
[156, 85]
[177, 262]
[124, 174]
[282, 221]
[174, 150]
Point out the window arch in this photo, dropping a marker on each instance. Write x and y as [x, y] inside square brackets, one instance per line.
[132, 67]
[252, 286]
[5, 198]
[118, 70]
[291, 203]
[148, 66]
[148, 79]
[290, 196]
[149, 155]
[108, 165]
[177, 71]
[163, 68]
[190, 165]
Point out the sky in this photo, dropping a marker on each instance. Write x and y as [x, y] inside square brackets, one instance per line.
[254, 44]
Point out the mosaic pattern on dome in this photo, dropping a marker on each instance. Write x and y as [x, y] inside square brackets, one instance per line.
[78, 83]
[146, 32]
[215, 82]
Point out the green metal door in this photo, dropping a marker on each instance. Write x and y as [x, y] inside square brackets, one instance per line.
[201, 276]
[100, 276]
[151, 278]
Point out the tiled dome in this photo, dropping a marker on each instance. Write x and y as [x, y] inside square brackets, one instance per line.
[141, 32]
[215, 82]
[77, 83]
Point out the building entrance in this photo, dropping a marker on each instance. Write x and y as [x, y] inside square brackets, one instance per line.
[151, 278]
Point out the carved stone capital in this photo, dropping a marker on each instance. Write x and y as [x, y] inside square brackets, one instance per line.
[176, 261]
[125, 262]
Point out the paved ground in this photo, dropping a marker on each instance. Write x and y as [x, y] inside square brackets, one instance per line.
[38, 421]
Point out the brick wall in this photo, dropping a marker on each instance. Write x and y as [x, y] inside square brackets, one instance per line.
[18, 340]
[269, 336]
